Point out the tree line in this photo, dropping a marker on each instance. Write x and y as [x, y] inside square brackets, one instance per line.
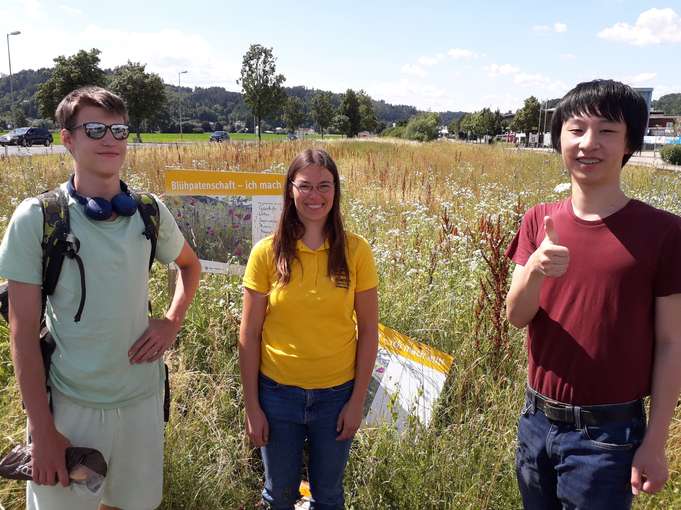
[264, 103]
[155, 106]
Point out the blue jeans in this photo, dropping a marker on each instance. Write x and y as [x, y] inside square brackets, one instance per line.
[563, 467]
[294, 415]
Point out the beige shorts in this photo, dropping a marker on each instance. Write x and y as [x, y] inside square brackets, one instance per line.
[130, 439]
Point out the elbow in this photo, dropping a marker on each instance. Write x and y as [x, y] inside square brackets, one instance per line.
[515, 318]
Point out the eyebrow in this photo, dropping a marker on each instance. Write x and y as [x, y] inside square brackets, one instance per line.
[320, 182]
[600, 120]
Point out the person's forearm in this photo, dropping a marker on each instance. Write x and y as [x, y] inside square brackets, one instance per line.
[249, 366]
[185, 288]
[666, 387]
[367, 346]
[522, 301]
[30, 375]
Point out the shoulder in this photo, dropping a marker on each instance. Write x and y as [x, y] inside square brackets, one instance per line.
[652, 218]
[646, 210]
[263, 247]
[28, 211]
[356, 242]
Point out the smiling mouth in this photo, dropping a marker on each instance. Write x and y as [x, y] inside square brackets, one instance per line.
[588, 161]
[314, 206]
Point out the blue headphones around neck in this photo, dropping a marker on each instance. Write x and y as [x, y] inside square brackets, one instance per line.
[98, 208]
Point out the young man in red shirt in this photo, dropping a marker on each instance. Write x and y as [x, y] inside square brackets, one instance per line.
[598, 283]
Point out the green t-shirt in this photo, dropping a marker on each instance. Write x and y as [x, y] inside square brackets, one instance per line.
[90, 364]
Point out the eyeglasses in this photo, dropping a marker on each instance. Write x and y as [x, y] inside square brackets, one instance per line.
[305, 188]
[97, 130]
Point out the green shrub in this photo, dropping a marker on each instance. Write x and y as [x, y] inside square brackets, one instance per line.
[423, 127]
[394, 132]
[671, 154]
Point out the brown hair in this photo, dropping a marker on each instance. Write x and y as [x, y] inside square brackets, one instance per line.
[290, 229]
[88, 96]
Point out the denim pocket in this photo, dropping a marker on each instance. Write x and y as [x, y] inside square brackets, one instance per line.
[616, 436]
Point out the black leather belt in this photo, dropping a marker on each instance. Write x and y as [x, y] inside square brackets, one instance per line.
[579, 416]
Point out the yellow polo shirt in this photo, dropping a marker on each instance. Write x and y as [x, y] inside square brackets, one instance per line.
[309, 337]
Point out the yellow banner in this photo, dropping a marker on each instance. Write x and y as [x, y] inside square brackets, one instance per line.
[206, 183]
[404, 346]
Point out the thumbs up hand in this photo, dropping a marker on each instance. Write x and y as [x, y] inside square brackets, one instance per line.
[550, 258]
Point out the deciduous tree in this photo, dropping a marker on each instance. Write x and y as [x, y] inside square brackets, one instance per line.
[367, 116]
[527, 118]
[144, 93]
[350, 108]
[423, 127]
[322, 110]
[294, 113]
[69, 73]
[260, 83]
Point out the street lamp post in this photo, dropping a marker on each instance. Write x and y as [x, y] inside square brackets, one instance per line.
[11, 87]
[179, 99]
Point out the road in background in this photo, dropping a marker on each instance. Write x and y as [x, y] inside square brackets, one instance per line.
[14, 150]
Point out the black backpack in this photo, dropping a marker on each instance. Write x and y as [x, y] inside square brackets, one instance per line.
[58, 242]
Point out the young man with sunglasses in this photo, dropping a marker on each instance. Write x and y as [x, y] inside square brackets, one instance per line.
[106, 378]
[598, 282]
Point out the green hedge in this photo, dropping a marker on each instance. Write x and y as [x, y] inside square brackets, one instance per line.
[671, 154]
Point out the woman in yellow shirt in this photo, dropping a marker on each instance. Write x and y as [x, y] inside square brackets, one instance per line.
[309, 335]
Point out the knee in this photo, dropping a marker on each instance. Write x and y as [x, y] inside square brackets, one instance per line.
[281, 497]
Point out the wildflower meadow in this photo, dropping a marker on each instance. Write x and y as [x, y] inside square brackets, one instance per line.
[438, 217]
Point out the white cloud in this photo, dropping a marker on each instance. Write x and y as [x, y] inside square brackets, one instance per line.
[504, 102]
[71, 10]
[431, 61]
[654, 26]
[166, 52]
[568, 56]
[540, 83]
[557, 27]
[413, 70]
[462, 54]
[640, 79]
[405, 91]
[494, 70]
[662, 90]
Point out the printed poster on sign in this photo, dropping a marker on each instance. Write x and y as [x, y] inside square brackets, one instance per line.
[223, 214]
[407, 380]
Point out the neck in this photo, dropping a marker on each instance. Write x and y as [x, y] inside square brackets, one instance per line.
[93, 185]
[595, 203]
[314, 235]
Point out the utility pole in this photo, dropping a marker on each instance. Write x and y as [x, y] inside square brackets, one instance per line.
[179, 99]
[11, 87]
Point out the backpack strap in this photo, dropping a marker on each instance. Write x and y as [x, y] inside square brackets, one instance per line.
[58, 242]
[148, 209]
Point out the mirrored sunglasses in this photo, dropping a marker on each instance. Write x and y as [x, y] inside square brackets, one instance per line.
[97, 130]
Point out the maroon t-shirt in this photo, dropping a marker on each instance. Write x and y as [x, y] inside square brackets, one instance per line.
[592, 339]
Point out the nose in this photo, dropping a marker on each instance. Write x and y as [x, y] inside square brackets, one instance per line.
[589, 140]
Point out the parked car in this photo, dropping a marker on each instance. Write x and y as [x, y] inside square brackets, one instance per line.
[27, 136]
[219, 136]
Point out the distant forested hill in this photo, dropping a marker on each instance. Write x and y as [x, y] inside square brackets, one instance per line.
[199, 105]
[669, 104]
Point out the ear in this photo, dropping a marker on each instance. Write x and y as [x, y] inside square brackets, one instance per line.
[67, 139]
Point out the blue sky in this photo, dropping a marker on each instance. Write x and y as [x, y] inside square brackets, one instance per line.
[434, 55]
